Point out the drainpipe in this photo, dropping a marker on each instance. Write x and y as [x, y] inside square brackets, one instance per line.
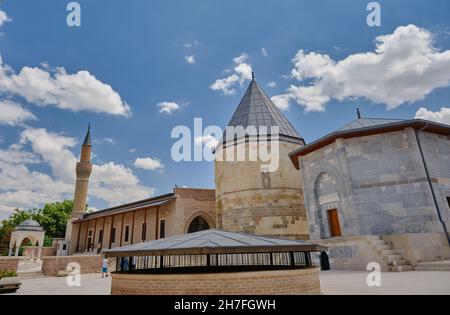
[416, 132]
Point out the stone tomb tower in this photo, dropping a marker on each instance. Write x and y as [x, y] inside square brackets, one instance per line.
[248, 198]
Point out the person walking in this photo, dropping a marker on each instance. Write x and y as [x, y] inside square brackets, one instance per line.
[105, 267]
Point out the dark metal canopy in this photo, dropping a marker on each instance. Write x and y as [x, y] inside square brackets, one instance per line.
[213, 242]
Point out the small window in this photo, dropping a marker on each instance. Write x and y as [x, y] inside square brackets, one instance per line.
[144, 231]
[127, 233]
[448, 201]
[113, 235]
[100, 236]
[162, 229]
[90, 233]
[64, 247]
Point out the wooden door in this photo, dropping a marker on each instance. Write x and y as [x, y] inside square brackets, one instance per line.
[333, 220]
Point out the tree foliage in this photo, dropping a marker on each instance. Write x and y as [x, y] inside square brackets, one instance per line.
[52, 217]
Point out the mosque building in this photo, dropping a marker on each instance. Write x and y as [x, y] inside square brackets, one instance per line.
[374, 190]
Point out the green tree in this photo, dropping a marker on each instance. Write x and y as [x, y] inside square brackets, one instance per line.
[52, 217]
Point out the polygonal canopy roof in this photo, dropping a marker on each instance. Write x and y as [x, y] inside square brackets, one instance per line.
[212, 241]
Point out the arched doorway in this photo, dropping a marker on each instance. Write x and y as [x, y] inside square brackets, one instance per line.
[327, 201]
[198, 224]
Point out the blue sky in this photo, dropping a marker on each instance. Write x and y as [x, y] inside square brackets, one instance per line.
[140, 48]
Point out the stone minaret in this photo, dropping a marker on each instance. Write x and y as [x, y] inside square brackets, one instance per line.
[83, 170]
[248, 198]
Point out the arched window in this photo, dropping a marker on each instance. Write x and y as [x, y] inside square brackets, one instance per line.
[198, 224]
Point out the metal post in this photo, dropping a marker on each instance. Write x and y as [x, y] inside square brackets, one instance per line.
[308, 259]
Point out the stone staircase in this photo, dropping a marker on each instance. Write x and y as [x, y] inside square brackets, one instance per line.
[30, 269]
[393, 258]
[443, 265]
[31, 275]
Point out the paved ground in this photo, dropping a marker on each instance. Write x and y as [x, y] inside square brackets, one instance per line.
[333, 282]
[392, 283]
[91, 284]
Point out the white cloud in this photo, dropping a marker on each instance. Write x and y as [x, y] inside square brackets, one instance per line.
[24, 188]
[189, 45]
[190, 59]
[442, 116]
[272, 84]
[105, 140]
[12, 113]
[168, 107]
[209, 141]
[55, 87]
[242, 72]
[264, 52]
[132, 150]
[405, 67]
[148, 163]
[281, 101]
[4, 17]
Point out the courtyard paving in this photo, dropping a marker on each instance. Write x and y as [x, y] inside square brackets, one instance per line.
[332, 282]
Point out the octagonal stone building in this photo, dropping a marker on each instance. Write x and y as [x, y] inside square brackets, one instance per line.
[249, 197]
[379, 190]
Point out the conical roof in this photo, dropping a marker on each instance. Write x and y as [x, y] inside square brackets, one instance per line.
[87, 139]
[257, 109]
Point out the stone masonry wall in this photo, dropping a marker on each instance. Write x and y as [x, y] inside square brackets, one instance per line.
[9, 263]
[381, 187]
[296, 282]
[51, 265]
[264, 203]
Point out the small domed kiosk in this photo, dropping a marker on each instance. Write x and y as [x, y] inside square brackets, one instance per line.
[30, 230]
[214, 262]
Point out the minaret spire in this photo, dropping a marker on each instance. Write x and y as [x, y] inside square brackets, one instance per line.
[358, 113]
[83, 171]
[87, 138]
[253, 76]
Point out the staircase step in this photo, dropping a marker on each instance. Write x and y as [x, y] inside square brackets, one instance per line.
[383, 247]
[443, 268]
[378, 242]
[373, 237]
[393, 257]
[31, 275]
[401, 268]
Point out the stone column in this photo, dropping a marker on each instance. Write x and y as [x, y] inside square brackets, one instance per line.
[10, 251]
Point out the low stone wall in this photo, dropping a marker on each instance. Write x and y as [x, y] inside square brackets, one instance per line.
[295, 282]
[51, 265]
[9, 263]
[420, 247]
[32, 251]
